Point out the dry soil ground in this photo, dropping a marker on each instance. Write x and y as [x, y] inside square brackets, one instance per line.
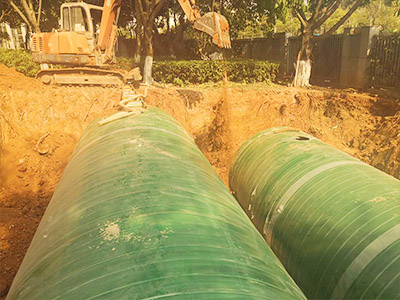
[39, 127]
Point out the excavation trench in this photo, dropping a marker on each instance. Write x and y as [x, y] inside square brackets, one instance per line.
[40, 126]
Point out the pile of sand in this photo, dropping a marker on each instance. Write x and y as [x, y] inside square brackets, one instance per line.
[11, 79]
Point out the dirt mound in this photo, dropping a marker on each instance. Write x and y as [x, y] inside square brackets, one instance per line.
[40, 127]
[223, 119]
[11, 79]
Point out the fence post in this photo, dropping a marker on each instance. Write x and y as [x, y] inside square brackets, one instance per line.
[355, 61]
[367, 35]
[11, 43]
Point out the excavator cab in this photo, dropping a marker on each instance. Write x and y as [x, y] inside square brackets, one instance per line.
[76, 17]
[74, 43]
[82, 18]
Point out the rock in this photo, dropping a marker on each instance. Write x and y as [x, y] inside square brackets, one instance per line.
[25, 210]
[22, 168]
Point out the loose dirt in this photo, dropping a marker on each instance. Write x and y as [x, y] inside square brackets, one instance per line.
[40, 126]
[11, 79]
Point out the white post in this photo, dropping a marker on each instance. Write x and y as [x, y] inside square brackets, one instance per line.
[11, 44]
[23, 32]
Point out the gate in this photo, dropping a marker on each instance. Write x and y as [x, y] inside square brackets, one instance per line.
[384, 57]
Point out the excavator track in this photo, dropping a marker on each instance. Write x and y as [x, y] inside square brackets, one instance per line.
[82, 77]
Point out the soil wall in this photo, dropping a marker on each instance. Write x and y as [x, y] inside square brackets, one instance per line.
[40, 126]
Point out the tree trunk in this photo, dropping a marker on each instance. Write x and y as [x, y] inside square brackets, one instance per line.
[145, 14]
[148, 50]
[308, 26]
[31, 15]
[138, 50]
[303, 64]
[36, 28]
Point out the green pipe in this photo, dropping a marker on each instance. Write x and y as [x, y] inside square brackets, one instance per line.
[333, 221]
[140, 214]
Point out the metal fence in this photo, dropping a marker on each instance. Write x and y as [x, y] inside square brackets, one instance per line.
[327, 58]
[13, 38]
[385, 61]
[272, 48]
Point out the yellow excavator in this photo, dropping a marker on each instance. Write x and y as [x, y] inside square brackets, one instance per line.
[86, 42]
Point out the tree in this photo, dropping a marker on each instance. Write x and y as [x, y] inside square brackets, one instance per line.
[242, 15]
[148, 23]
[36, 14]
[312, 14]
[146, 12]
[3, 14]
[396, 6]
[379, 13]
[4, 11]
[29, 11]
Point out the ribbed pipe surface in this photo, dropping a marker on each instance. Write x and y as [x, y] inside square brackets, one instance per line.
[140, 214]
[333, 221]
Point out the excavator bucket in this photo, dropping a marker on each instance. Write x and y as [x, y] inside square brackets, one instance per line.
[216, 26]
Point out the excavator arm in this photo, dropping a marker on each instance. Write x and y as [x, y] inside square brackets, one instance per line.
[211, 23]
[190, 9]
[108, 27]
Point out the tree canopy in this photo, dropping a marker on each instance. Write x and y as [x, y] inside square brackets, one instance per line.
[312, 16]
[37, 14]
[384, 13]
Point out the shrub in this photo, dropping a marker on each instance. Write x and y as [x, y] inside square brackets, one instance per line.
[20, 59]
[169, 71]
[200, 71]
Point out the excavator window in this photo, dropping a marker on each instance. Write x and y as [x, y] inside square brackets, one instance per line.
[75, 19]
[79, 19]
[96, 19]
[66, 24]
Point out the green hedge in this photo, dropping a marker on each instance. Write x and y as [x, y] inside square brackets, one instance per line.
[200, 71]
[20, 59]
[169, 71]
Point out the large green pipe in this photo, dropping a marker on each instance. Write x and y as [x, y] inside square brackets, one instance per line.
[140, 214]
[333, 221]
